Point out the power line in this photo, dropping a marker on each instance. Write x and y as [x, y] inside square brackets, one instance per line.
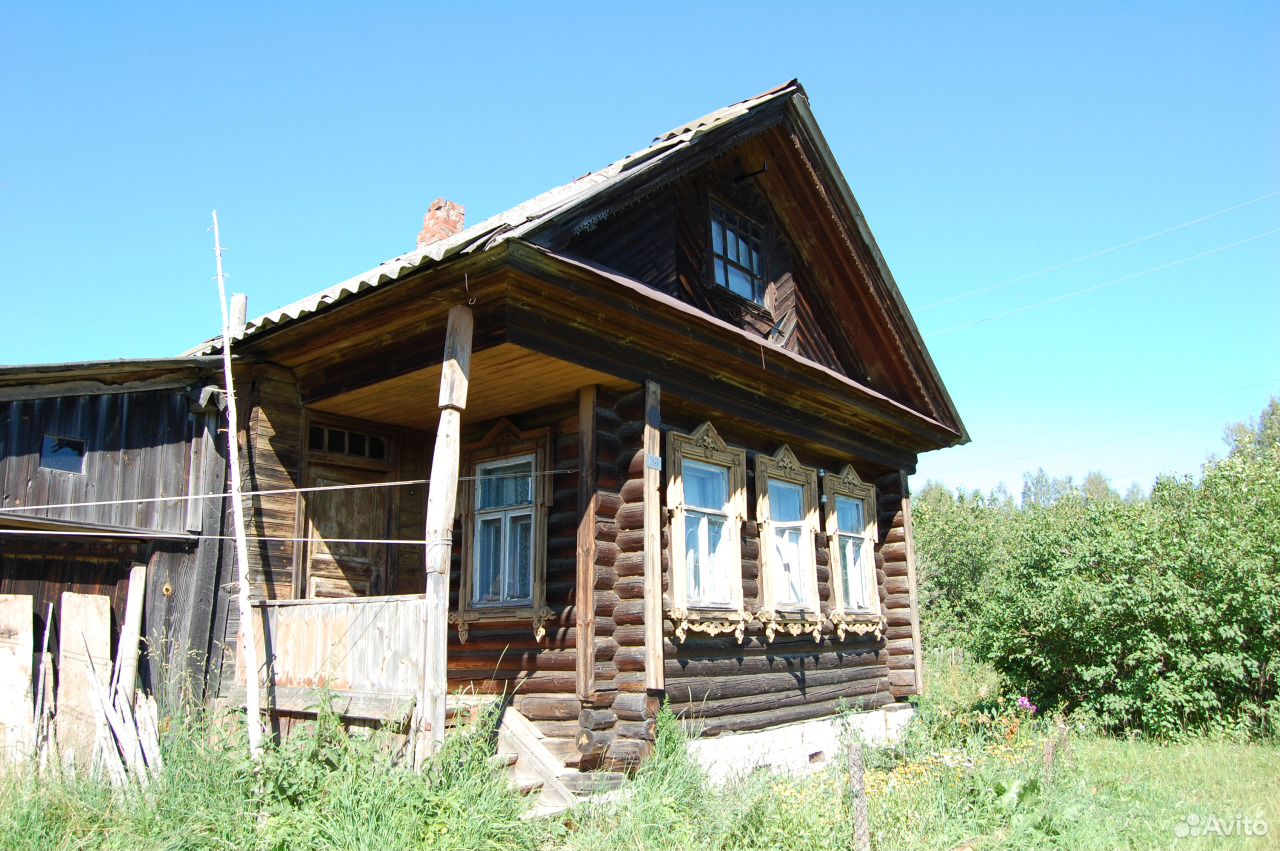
[312, 489]
[1068, 263]
[1076, 293]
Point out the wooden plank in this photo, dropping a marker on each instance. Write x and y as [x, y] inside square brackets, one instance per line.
[653, 672]
[442, 496]
[584, 599]
[391, 709]
[17, 732]
[84, 652]
[126, 667]
[518, 735]
[912, 588]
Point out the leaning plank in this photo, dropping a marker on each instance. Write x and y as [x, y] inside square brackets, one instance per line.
[83, 652]
[17, 730]
[391, 709]
[518, 735]
[126, 670]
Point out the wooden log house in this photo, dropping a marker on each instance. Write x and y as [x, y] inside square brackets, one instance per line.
[695, 395]
[682, 416]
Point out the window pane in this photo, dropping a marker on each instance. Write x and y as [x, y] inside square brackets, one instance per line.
[716, 583]
[356, 443]
[316, 438]
[694, 559]
[850, 580]
[488, 565]
[740, 282]
[62, 453]
[377, 447]
[849, 514]
[717, 237]
[337, 440]
[786, 544]
[786, 502]
[722, 274]
[504, 484]
[520, 559]
[706, 485]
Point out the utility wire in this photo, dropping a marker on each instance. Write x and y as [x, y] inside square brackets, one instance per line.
[1076, 293]
[312, 489]
[1068, 263]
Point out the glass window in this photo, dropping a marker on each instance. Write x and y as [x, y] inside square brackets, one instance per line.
[786, 521]
[737, 258]
[709, 561]
[857, 576]
[503, 569]
[62, 453]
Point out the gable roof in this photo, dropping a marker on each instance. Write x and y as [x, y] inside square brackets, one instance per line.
[563, 201]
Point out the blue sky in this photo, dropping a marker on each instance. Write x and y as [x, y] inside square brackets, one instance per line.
[986, 144]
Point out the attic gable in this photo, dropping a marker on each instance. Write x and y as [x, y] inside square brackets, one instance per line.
[828, 294]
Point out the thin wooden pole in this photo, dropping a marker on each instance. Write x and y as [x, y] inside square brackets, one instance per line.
[246, 647]
[584, 601]
[654, 674]
[442, 499]
[858, 791]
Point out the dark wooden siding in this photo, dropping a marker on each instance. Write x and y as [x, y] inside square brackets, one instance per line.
[137, 447]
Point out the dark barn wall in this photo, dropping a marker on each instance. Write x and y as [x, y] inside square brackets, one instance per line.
[140, 445]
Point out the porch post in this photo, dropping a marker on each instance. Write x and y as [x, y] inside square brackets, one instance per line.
[442, 498]
[654, 673]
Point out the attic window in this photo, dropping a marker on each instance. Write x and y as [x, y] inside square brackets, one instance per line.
[736, 255]
[62, 453]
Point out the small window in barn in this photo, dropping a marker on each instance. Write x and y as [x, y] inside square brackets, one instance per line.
[315, 440]
[504, 522]
[737, 256]
[62, 453]
[787, 510]
[706, 490]
[851, 528]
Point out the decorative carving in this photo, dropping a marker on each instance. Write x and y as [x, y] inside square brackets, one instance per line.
[464, 626]
[709, 625]
[540, 618]
[802, 624]
[785, 460]
[863, 624]
[706, 438]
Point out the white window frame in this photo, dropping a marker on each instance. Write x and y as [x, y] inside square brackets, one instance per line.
[845, 615]
[705, 445]
[805, 616]
[504, 444]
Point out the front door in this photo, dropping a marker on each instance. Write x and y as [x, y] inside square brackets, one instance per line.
[339, 562]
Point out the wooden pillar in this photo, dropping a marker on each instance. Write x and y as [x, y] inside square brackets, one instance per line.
[442, 498]
[912, 590]
[584, 603]
[654, 676]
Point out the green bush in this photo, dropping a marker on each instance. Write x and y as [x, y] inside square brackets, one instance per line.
[1160, 616]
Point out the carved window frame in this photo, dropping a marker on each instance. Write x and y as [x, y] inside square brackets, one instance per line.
[805, 617]
[704, 444]
[504, 441]
[846, 619]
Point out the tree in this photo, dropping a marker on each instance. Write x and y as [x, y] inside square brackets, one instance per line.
[1256, 432]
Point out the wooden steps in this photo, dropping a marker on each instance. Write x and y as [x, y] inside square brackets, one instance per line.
[537, 767]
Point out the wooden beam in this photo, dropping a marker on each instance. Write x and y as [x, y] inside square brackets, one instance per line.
[442, 498]
[909, 532]
[84, 651]
[584, 603]
[654, 676]
[17, 640]
[126, 667]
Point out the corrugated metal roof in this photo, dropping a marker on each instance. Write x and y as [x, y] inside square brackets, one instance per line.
[516, 222]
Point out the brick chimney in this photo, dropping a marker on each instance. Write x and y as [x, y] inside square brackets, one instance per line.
[443, 220]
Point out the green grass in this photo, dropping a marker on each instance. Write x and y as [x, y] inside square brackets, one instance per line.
[970, 773]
